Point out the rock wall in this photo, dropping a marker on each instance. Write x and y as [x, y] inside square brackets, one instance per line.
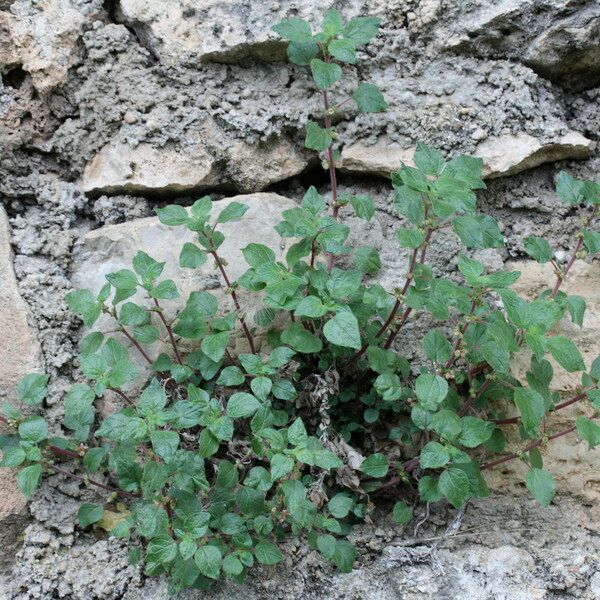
[111, 108]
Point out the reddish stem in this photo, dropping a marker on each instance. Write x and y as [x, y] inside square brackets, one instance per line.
[90, 481]
[169, 332]
[564, 404]
[235, 300]
[137, 345]
[123, 395]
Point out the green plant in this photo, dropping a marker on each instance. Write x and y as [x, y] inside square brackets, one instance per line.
[222, 456]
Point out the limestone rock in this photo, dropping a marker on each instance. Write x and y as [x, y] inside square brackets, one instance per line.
[502, 156]
[513, 153]
[120, 168]
[381, 158]
[42, 38]
[191, 31]
[558, 39]
[255, 167]
[193, 165]
[113, 247]
[19, 354]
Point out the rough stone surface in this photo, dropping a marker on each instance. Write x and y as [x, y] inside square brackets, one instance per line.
[502, 156]
[20, 354]
[144, 103]
[559, 39]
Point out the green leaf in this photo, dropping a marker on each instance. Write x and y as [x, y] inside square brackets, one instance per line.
[326, 545]
[33, 429]
[317, 138]
[301, 340]
[362, 29]
[591, 240]
[261, 387]
[475, 431]
[325, 74]
[132, 314]
[296, 433]
[311, 307]
[429, 160]
[13, 456]
[589, 431]
[431, 390]
[165, 290]
[281, 465]
[294, 29]
[241, 405]
[366, 259]
[172, 215]
[147, 267]
[363, 207]
[250, 501]
[258, 254]
[165, 443]
[437, 348]
[28, 479]
[538, 248]
[343, 330]
[454, 485]
[232, 565]
[369, 98]
[153, 399]
[302, 53]
[32, 388]
[410, 238]
[344, 50]
[214, 345]
[191, 257]
[345, 555]
[576, 306]
[478, 232]
[234, 211]
[566, 353]
[541, 485]
[83, 303]
[532, 407]
[123, 279]
[569, 189]
[89, 514]
[428, 489]
[267, 553]
[340, 505]
[375, 465]
[209, 559]
[434, 456]
[231, 377]
[208, 443]
[402, 513]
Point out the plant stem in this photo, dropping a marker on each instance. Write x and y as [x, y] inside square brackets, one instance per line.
[331, 164]
[169, 332]
[569, 402]
[90, 481]
[535, 444]
[123, 395]
[136, 344]
[560, 277]
[235, 300]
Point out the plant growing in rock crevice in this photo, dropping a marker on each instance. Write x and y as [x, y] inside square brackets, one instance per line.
[221, 456]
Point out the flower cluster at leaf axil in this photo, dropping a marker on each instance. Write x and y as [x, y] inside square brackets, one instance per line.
[225, 454]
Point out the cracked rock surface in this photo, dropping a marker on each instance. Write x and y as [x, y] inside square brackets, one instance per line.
[109, 109]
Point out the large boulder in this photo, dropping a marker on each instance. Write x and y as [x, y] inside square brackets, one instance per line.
[20, 354]
[113, 247]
